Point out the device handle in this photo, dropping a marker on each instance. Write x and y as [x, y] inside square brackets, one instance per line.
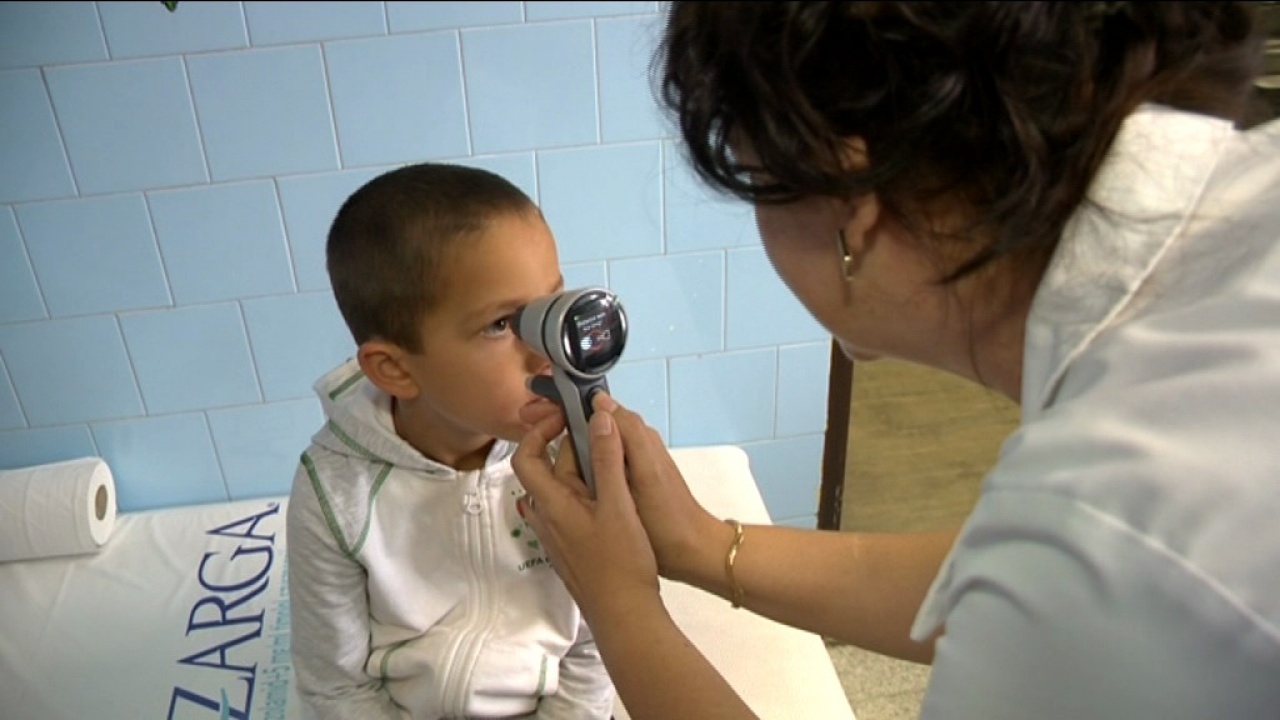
[574, 396]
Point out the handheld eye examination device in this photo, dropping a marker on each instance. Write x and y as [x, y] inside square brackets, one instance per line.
[582, 332]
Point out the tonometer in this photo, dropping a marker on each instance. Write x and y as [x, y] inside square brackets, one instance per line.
[582, 332]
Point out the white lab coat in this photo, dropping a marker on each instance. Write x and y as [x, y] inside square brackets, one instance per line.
[1123, 559]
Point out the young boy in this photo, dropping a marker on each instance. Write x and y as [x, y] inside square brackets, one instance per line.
[417, 590]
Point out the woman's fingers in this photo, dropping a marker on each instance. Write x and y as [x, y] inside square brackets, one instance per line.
[642, 444]
[673, 520]
[603, 402]
[530, 461]
[608, 461]
[597, 546]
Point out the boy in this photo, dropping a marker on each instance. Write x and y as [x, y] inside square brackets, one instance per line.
[417, 590]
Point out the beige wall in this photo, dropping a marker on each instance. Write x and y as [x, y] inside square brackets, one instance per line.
[920, 442]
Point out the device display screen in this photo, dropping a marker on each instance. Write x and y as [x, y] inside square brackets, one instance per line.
[596, 334]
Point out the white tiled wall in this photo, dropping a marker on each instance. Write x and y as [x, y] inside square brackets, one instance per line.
[167, 180]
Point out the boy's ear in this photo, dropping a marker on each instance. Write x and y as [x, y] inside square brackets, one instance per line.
[384, 364]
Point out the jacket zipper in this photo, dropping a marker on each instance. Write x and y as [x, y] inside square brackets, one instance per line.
[478, 528]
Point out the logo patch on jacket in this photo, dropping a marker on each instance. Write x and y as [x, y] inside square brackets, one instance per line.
[523, 533]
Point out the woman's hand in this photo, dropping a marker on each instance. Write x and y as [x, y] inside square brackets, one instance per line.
[600, 549]
[599, 546]
[678, 528]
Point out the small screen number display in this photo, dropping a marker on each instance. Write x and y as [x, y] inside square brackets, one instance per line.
[596, 334]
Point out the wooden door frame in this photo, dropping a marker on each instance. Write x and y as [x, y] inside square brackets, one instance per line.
[836, 441]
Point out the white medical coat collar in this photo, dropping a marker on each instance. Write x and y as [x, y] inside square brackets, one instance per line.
[1156, 170]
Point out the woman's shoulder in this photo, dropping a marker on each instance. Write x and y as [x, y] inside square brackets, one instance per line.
[1165, 486]
[1049, 601]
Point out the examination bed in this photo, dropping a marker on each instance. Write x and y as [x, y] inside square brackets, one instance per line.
[184, 613]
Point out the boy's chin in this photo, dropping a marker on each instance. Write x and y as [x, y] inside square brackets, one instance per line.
[514, 432]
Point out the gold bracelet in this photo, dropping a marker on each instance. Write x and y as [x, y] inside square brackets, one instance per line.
[729, 559]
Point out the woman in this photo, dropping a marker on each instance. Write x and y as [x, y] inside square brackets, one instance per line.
[1052, 200]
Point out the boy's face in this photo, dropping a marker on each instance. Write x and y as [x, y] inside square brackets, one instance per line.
[472, 371]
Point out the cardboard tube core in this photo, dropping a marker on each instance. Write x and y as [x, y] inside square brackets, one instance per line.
[100, 502]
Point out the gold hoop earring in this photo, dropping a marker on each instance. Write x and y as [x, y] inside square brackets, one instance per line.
[848, 266]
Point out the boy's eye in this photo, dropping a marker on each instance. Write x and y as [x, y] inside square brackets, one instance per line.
[499, 326]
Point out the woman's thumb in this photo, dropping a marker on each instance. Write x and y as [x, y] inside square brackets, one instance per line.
[607, 460]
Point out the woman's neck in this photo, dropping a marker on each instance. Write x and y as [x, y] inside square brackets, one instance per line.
[996, 335]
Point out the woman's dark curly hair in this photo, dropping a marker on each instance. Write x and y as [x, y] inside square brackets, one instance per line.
[1008, 106]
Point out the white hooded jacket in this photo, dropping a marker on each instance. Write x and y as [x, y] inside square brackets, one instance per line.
[418, 591]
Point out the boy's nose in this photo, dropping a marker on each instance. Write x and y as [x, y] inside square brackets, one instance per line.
[536, 362]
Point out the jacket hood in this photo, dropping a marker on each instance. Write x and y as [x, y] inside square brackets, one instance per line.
[359, 424]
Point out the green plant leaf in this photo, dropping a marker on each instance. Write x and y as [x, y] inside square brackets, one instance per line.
[170, 5]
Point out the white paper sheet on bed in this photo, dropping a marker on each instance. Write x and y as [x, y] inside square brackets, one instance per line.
[184, 614]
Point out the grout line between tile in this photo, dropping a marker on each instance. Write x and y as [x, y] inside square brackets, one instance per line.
[466, 102]
[333, 113]
[595, 77]
[62, 138]
[195, 116]
[253, 358]
[133, 368]
[31, 266]
[217, 456]
[155, 242]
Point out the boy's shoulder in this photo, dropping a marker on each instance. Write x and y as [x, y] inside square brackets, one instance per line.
[336, 489]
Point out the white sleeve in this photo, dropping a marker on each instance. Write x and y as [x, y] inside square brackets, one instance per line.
[1055, 610]
[329, 618]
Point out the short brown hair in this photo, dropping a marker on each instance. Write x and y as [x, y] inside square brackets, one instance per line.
[1008, 106]
[389, 240]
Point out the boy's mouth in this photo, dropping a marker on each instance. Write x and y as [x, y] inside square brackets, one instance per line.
[536, 409]
[538, 401]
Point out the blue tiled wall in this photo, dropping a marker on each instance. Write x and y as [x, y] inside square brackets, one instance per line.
[167, 180]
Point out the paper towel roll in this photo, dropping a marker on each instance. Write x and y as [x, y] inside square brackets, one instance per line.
[64, 508]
